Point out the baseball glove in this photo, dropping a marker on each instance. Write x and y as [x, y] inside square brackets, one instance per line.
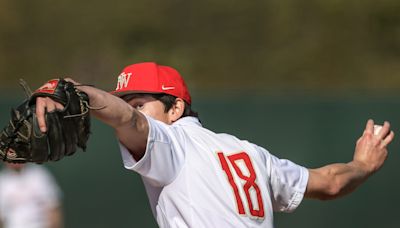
[22, 141]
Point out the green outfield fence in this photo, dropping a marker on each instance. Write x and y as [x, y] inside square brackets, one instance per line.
[99, 192]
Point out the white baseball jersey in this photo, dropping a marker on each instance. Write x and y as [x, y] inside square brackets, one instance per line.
[26, 197]
[197, 178]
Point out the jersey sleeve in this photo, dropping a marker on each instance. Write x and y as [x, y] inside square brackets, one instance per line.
[288, 182]
[163, 157]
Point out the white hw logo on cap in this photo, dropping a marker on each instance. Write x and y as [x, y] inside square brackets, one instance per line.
[123, 80]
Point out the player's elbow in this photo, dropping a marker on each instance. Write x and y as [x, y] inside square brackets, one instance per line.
[329, 192]
[324, 185]
[333, 190]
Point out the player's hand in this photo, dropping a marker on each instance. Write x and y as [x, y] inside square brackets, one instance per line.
[46, 104]
[43, 105]
[371, 149]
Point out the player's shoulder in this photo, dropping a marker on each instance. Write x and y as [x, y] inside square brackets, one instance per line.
[242, 143]
[230, 137]
[233, 138]
[187, 121]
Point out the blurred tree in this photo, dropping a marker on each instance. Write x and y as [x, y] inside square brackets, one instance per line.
[274, 46]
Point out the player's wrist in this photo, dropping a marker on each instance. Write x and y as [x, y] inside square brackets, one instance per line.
[361, 167]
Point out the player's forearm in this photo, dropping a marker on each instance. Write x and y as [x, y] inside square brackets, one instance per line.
[130, 125]
[335, 180]
[108, 108]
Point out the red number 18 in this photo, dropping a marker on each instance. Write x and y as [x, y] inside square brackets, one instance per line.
[250, 182]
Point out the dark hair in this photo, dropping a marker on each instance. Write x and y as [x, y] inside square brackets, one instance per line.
[166, 99]
[169, 101]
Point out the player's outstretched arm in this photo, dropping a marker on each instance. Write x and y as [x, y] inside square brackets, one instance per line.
[335, 180]
[130, 125]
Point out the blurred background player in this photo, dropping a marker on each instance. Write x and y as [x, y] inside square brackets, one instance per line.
[29, 197]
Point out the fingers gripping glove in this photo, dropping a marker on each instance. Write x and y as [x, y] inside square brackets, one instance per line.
[22, 141]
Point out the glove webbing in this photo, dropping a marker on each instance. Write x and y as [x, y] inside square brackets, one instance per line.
[11, 137]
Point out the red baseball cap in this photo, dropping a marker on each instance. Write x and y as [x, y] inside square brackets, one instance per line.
[149, 77]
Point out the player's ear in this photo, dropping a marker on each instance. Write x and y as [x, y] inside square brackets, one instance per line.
[176, 110]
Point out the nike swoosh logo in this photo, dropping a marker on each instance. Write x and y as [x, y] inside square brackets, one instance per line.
[167, 88]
